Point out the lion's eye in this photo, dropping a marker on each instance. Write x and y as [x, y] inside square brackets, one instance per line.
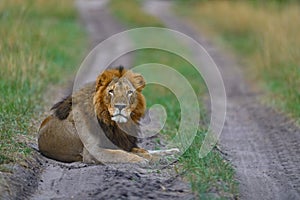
[130, 92]
[111, 92]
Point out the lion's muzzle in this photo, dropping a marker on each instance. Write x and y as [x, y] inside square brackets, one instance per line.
[120, 114]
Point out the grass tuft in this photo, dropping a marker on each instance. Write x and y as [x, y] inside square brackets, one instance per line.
[135, 17]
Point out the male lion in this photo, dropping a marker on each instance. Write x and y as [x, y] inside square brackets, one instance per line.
[115, 103]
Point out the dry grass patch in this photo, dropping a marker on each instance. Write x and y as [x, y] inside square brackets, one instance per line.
[267, 38]
[39, 43]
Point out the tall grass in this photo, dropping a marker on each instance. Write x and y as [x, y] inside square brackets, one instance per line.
[267, 38]
[210, 176]
[39, 44]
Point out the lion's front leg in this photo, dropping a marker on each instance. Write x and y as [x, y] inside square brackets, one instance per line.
[141, 152]
[103, 156]
[164, 152]
[156, 155]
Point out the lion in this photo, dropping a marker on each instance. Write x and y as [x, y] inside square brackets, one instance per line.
[92, 124]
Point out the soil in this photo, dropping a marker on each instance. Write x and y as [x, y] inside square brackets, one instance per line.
[43, 178]
[262, 144]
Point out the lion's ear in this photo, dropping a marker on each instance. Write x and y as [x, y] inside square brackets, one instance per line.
[138, 81]
[104, 79]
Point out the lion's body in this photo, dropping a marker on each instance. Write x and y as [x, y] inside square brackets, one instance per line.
[73, 132]
[63, 145]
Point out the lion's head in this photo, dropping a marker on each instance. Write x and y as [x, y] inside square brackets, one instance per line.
[118, 96]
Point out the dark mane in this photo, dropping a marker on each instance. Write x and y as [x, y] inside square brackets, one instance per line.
[119, 137]
[121, 69]
[63, 108]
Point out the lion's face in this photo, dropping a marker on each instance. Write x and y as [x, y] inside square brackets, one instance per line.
[118, 96]
[122, 99]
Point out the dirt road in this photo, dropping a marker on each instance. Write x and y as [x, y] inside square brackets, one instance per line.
[263, 145]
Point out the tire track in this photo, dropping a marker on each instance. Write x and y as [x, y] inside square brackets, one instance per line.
[120, 181]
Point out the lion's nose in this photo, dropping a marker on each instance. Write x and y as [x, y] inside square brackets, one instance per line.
[120, 106]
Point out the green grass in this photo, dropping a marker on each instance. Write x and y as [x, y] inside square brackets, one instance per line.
[210, 175]
[265, 36]
[134, 18]
[40, 44]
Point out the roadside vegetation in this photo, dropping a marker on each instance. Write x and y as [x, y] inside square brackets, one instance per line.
[265, 35]
[132, 15]
[212, 176]
[40, 44]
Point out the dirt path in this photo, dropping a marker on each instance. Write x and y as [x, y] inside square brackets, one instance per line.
[263, 146]
[120, 181]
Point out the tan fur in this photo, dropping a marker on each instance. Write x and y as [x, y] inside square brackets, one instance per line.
[61, 138]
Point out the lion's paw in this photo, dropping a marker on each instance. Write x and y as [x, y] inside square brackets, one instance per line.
[137, 159]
